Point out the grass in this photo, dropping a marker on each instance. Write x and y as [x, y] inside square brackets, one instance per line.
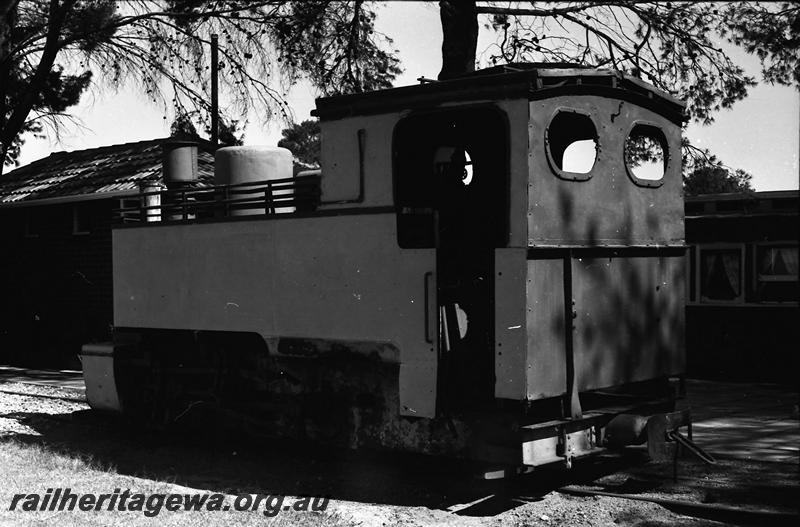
[33, 468]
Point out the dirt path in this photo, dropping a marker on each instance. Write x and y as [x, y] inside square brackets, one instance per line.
[375, 489]
[756, 422]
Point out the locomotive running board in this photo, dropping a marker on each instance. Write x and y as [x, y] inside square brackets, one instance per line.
[564, 439]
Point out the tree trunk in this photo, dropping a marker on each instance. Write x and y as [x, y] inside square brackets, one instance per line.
[11, 127]
[7, 17]
[459, 37]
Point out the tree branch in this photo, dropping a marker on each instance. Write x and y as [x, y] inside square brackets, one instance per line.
[57, 16]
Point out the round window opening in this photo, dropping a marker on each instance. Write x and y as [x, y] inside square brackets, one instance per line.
[646, 153]
[572, 142]
[454, 163]
[466, 179]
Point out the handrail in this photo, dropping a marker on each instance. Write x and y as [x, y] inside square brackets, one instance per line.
[267, 197]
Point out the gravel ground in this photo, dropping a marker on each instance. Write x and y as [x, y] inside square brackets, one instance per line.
[22, 405]
[371, 490]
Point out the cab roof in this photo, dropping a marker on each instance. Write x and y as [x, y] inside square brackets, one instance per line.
[532, 80]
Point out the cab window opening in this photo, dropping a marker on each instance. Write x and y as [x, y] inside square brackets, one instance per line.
[452, 161]
[572, 144]
[646, 154]
[456, 160]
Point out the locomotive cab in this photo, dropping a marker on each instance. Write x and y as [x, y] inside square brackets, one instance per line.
[452, 283]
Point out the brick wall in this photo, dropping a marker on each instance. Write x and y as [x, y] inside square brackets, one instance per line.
[55, 281]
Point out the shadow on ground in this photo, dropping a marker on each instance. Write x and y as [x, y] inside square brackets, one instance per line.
[231, 464]
[214, 459]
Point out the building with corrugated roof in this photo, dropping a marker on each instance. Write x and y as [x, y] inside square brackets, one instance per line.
[55, 230]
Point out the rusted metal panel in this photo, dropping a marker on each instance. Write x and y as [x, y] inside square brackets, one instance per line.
[510, 324]
[334, 277]
[546, 361]
[608, 208]
[629, 320]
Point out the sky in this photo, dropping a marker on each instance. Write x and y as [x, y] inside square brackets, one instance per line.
[760, 134]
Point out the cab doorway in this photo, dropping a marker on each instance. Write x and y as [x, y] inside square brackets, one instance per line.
[451, 188]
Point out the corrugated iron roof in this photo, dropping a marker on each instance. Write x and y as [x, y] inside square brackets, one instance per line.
[115, 168]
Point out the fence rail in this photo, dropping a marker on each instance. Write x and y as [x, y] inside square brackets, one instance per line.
[269, 197]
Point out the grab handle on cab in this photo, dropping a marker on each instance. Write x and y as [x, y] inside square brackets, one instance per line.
[427, 301]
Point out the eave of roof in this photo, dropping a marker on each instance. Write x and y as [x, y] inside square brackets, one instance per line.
[532, 83]
[732, 196]
[740, 214]
[76, 198]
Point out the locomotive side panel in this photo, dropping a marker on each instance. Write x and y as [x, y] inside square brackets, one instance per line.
[516, 111]
[546, 360]
[629, 319]
[604, 207]
[608, 245]
[511, 324]
[628, 322]
[337, 278]
[350, 149]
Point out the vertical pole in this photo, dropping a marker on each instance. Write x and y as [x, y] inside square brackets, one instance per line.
[214, 92]
[361, 170]
[270, 203]
[575, 411]
[183, 204]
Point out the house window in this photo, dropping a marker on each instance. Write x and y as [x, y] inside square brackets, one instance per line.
[32, 225]
[80, 220]
[720, 273]
[776, 273]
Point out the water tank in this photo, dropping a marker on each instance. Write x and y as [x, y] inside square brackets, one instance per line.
[247, 164]
[150, 195]
[179, 163]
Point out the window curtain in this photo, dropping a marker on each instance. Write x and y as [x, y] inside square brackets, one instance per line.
[779, 261]
[730, 262]
[709, 261]
[789, 255]
[721, 275]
